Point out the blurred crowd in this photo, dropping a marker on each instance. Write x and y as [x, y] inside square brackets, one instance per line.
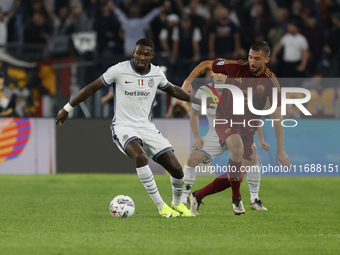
[188, 31]
[304, 34]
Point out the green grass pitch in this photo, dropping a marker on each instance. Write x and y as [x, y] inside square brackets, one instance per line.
[68, 214]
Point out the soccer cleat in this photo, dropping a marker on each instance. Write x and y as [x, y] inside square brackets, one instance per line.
[194, 203]
[257, 205]
[167, 212]
[185, 212]
[238, 206]
[186, 203]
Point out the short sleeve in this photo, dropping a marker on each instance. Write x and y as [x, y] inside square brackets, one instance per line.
[219, 66]
[111, 75]
[163, 83]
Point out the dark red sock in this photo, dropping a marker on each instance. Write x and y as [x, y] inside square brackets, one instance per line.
[235, 178]
[219, 184]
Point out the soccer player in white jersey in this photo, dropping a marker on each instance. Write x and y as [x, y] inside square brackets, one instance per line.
[136, 82]
[206, 148]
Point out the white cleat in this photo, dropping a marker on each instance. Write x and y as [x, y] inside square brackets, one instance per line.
[194, 203]
[238, 206]
[257, 205]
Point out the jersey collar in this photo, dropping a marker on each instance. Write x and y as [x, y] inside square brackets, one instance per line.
[134, 68]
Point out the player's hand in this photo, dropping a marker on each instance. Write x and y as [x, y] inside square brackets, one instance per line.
[283, 158]
[264, 145]
[198, 143]
[61, 117]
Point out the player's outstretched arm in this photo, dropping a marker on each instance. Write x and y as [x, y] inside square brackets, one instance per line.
[281, 156]
[82, 95]
[261, 140]
[197, 72]
[181, 94]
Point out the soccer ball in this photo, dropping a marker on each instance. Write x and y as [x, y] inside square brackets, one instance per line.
[122, 206]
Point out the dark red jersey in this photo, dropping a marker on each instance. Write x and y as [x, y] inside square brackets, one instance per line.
[239, 75]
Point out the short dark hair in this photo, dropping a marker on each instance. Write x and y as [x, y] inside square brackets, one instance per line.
[258, 46]
[146, 42]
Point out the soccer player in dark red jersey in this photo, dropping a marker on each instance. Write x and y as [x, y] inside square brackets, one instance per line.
[239, 138]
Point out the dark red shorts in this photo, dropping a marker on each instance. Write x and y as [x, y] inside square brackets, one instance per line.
[224, 131]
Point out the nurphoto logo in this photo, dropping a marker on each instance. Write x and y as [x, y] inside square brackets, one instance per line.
[239, 102]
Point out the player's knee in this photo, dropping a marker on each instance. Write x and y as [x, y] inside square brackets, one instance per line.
[193, 161]
[237, 153]
[140, 159]
[254, 159]
[176, 172]
[196, 158]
